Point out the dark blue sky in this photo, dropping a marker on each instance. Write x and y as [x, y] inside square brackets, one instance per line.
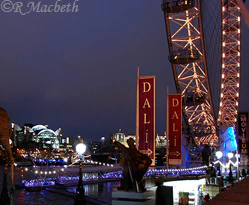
[78, 70]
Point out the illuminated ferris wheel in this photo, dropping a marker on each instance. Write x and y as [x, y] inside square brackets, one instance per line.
[192, 60]
[230, 76]
[187, 57]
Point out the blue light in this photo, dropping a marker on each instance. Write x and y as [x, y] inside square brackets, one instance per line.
[230, 143]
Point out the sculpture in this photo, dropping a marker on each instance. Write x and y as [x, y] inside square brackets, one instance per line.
[5, 133]
[134, 164]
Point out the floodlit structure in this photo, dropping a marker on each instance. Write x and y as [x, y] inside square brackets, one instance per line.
[187, 24]
[183, 22]
[40, 134]
[230, 76]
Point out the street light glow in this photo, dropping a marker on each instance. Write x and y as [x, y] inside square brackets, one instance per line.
[219, 154]
[230, 155]
[80, 148]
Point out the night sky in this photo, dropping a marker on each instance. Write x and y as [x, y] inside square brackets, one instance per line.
[78, 70]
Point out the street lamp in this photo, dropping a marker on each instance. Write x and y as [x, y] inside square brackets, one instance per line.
[80, 149]
[80, 192]
[230, 176]
[218, 154]
[230, 155]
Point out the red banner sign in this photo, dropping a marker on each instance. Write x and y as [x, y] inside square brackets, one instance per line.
[175, 128]
[146, 116]
[243, 135]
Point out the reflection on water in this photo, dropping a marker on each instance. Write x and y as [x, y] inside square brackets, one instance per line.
[101, 191]
[22, 197]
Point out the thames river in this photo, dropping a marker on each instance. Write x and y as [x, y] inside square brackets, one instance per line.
[97, 192]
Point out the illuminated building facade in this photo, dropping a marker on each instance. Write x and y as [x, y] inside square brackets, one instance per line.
[41, 134]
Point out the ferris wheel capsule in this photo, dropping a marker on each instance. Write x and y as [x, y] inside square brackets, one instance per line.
[176, 6]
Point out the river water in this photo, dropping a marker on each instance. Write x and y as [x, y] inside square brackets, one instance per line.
[101, 192]
[21, 197]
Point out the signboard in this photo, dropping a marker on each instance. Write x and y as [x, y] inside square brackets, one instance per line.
[175, 128]
[146, 116]
[243, 134]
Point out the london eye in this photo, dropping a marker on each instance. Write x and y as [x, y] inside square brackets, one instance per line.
[204, 41]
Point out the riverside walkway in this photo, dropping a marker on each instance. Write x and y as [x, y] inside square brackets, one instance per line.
[238, 194]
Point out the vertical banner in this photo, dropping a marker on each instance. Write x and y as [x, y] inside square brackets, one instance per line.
[243, 135]
[175, 128]
[146, 116]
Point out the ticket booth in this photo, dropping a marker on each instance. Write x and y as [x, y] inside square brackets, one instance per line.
[191, 191]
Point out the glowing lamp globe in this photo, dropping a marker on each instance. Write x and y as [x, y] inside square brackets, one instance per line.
[230, 155]
[219, 154]
[80, 148]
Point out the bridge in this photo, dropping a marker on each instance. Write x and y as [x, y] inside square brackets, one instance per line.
[93, 172]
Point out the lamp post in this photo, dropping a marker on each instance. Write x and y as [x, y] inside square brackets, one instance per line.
[230, 176]
[80, 192]
[230, 155]
[219, 154]
[237, 161]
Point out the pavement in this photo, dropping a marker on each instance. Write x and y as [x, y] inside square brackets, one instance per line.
[238, 194]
